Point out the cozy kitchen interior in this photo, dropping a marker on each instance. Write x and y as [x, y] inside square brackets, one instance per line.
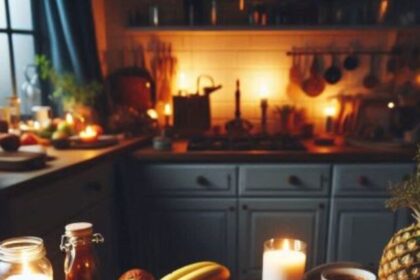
[272, 139]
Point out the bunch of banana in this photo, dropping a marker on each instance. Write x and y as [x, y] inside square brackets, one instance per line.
[200, 271]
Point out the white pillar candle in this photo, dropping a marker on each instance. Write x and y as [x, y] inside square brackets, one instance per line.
[28, 277]
[284, 263]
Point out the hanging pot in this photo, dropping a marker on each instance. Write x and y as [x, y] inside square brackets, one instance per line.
[333, 74]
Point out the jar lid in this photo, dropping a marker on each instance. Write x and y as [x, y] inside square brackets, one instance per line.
[80, 229]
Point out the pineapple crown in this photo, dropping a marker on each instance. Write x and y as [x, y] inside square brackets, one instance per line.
[406, 194]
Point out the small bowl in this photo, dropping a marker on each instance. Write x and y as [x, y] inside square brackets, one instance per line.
[357, 273]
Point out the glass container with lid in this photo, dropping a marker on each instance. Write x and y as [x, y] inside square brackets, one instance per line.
[80, 262]
[23, 258]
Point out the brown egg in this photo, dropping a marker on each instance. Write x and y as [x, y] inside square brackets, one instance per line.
[136, 274]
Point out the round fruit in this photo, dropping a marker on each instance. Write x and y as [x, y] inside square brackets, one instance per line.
[29, 138]
[10, 142]
[65, 128]
[137, 274]
[59, 135]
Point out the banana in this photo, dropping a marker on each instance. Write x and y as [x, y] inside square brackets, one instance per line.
[210, 272]
[177, 274]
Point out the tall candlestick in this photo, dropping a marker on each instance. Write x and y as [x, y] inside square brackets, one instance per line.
[264, 106]
[284, 259]
[168, 113]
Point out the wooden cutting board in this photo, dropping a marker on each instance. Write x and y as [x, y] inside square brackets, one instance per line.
[21, 161]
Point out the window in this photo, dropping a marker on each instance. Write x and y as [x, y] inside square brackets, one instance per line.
[17, 50]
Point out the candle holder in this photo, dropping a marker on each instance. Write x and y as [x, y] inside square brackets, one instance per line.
[264, 106]
[284, 259]
[24, 258]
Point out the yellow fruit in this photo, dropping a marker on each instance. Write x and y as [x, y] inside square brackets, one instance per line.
[200, 271]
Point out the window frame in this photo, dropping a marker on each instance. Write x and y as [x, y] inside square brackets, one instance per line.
[9, 32]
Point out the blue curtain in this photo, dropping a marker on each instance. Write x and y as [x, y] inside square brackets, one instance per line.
[71, 43]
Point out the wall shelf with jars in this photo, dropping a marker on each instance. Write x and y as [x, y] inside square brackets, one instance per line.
[271, 14]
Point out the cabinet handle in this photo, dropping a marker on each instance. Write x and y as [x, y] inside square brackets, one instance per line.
[93, 187]
[203, 181]
[363, 180]
[245, 207]
[294, 180]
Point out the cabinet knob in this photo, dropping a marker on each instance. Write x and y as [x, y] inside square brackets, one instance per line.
[293, 180]
[202, 181]
[245, 207]
[93, 187]
[321, 206]
[363, 180]
[232, 208]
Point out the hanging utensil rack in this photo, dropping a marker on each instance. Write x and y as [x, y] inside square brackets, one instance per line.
[341, 52]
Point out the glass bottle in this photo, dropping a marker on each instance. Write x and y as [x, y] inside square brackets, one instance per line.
[14, 107]
[80, 261]
[24, 258]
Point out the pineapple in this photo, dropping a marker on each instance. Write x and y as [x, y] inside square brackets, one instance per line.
[401, 257]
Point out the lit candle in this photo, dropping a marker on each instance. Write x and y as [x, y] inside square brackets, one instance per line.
[329, 113]
[284, 259]
[152, 114]
[264, 106]
[182, 84]
[28, 277]
[168, 113]
[88, 135]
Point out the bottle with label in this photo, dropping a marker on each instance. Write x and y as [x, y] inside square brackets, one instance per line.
[80, 261]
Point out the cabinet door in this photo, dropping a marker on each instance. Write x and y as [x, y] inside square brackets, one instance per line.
[360, 229]
[171, 233]
[262, 219]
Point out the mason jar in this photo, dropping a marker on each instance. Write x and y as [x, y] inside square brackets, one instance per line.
[24, 258]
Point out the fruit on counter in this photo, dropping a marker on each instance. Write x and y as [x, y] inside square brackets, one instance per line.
[66, 128]
[205, 270]
[60, 135]
[136, 274]
[30, 138]
[9, 142]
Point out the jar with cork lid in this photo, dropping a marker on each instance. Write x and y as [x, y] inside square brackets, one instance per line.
[80, 262]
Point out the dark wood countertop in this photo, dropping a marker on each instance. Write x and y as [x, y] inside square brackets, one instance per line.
[65, 162]
[333, 154]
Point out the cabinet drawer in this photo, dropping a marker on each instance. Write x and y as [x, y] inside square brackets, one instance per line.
[284, 179]
[368, 179]
[49, 206]
[190, 180]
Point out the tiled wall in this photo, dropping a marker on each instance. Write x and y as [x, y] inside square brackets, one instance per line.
[254, 57]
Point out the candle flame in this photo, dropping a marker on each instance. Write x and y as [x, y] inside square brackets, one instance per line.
[152, 114]
[330, 111]
[182, 81]
[286, 245]
[168, 109]
[263, 91]
[89, 132]
[391, 105]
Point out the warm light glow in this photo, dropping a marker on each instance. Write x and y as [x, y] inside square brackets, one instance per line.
[417, 79]
[286, 245]
[182, 81]
[37, 125]
[69, 119]
[330, 111]
[383, 8]
[391, 105]
[263, 91]
[168, 109]
[89, 134]
[152, 114]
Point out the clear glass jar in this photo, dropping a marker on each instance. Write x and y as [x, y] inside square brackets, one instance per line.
[24, 258]
[80, 262]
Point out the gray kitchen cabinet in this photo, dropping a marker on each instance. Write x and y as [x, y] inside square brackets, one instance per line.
[297, 218]
[171, 233]
[360, 229]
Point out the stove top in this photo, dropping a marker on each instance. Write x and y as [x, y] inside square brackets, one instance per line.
[259, 143]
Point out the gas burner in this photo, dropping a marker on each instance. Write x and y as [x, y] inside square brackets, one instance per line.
[259, 143]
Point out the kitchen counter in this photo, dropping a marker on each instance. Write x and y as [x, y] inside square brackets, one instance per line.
[64, 162]
[333, 154]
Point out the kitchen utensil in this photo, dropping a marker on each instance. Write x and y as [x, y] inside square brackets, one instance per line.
[333, 74]
[295, 74]
[371, 80]
[351, 62]
[314, 85]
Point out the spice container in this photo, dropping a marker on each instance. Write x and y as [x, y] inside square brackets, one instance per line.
[77, 242]
[24, 258]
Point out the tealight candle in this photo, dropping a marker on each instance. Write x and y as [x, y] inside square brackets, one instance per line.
[284, 259]
[88, 135]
